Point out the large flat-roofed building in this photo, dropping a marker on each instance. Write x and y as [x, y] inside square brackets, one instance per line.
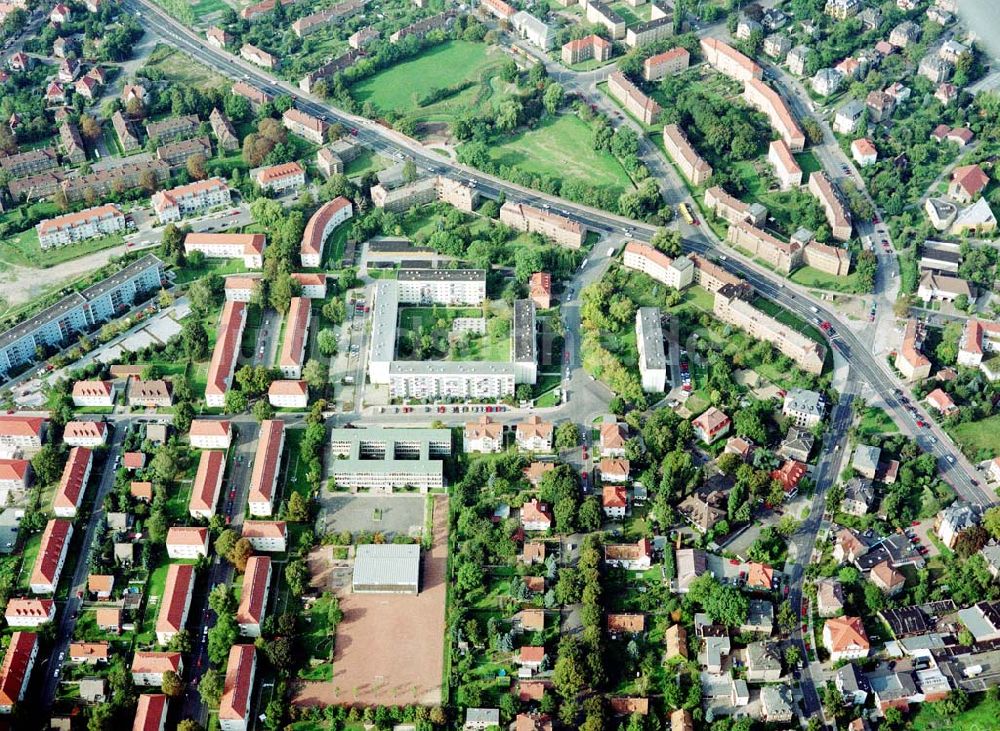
[264, 478]
[386, 569]
[633, 99]
[668, 63]
[382, 346]
[382, 459]
[421, 192]
[783, 256]
[690, 163]
[836, 212]
[320, 226]
[72, 227]
[730, 307]
[652, 357]
[175, 204]
[677, 273]
[524, 346]
[227, 348]
[727, 60]
[659, 26]
[450, 287]
[293, 346]
[430, 381]
[560, 229]
[602, 14]
[765, 99]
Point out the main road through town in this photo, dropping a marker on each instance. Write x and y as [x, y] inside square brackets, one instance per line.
[770, 285]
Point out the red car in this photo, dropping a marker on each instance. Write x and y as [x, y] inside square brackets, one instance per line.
[354, 132]
[915, 523]
[733, 562]
[825, 325]
[919, 422]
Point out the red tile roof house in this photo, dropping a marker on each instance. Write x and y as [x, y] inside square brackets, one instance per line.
[531, 690]
[626, 624]
[536, 470]
[613, 438]
[73, 483]
[614, 470]
[85, 433]
[234, 709]
[88, 653]
[141, 491]
[760, 576]
[531, 657]
[967, 182]
[886, 578]
[134, 460]
[533, 552]
[207, 484]
[789, 475]
[15, 476]
[540, 289]
[270, 444]
[711, 425]
[29, 612]
[148, 667]
[269, 536]
[16, 669]
[536, 516]
[94, 393]
[614, 500]
[632, 556]
[845, 638]
[108, 619]
[227, 348]
[253, 596]
[293, 347]
[101, 585]
[151, 713]
[187, 543]
[51, 556]
[175, 602]
[941, 401]
[313, 284]
[288, 394]
[210, 434]
[26, 432]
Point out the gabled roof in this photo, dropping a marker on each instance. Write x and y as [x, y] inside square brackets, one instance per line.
[180, 583]
[14, 670]
[255, 585]
[846, 633]
[56, 535]
[155, 662]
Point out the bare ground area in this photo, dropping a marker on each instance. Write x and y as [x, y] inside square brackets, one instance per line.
[21, 284]
[390, 647]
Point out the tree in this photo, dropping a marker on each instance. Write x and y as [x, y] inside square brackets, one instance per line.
[189, 724]
[242, 551]
[226, 542]
[236, 402]
[567, 435]
[195, 339]
[101, 717]
[297, 577]
[991, 521]
[221, 599]
[210, 687]
[327, 342]
[553, 97]
[262, 410]
[221, 637]
[315, 373]
[172, 684]
[47, 464]
[196, 166]
[874, 598]
[667, 240]
[298, 509]
[590, 515]
[970, 540]
[409, 171]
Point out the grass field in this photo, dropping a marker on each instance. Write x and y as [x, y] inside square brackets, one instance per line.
[366, 162]
[561, 148]
[981, 717]
[401, 87]
[24, 250]
[876, 421]
[976, 436]
[809, 277]
[785, 317]
[182, 69]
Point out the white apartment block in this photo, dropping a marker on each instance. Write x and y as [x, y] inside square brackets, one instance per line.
[175, 602]
[450, 287]
[293, 345]
[786, 169]
[282, 178]
[803, 407]
[94, 393]
[431, 381]
[187, 543]
[677, 273]
[185, 200]
[248, 247]
[652, 356]
[18, 663]
[266, 461]
[288, 394]
[320, 226]
[51, 556]
[72, 227]
[267, 536]
[383, 459]
[253, 595]
[210, 434]
[227, 347]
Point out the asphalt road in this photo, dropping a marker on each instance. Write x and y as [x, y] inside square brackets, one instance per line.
[67, 623]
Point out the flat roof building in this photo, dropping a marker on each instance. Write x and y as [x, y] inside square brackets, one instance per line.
[382, 459]
[652, 357]
[387, 569]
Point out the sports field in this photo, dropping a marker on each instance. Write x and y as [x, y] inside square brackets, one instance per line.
[562, 148]
[402, 87]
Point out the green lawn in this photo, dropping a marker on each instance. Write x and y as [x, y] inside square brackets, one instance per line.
[876, 421]
[402, 87]
[366, 162]
[808, 162]
[976, 436]
[181, 69]
[23, 249]
[809, 277]
[562, 148]
[981, 717]
[335, 245]
[222, 267]
[485, 347]
[785, 317]
[30, 554]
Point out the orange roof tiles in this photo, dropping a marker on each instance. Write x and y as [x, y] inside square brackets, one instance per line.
[312, 237]
[235, 704]
[207, 481]
[296, 331]
[255, 584]
[180, 583]
[845, 633]
[54, 538]
[227, 348]
[72, 484]
[155, 662]
[21, 426]
[150, 712]
[14, 671]
[266, 461]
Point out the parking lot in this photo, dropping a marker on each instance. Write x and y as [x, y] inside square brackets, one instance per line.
[388, 514]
